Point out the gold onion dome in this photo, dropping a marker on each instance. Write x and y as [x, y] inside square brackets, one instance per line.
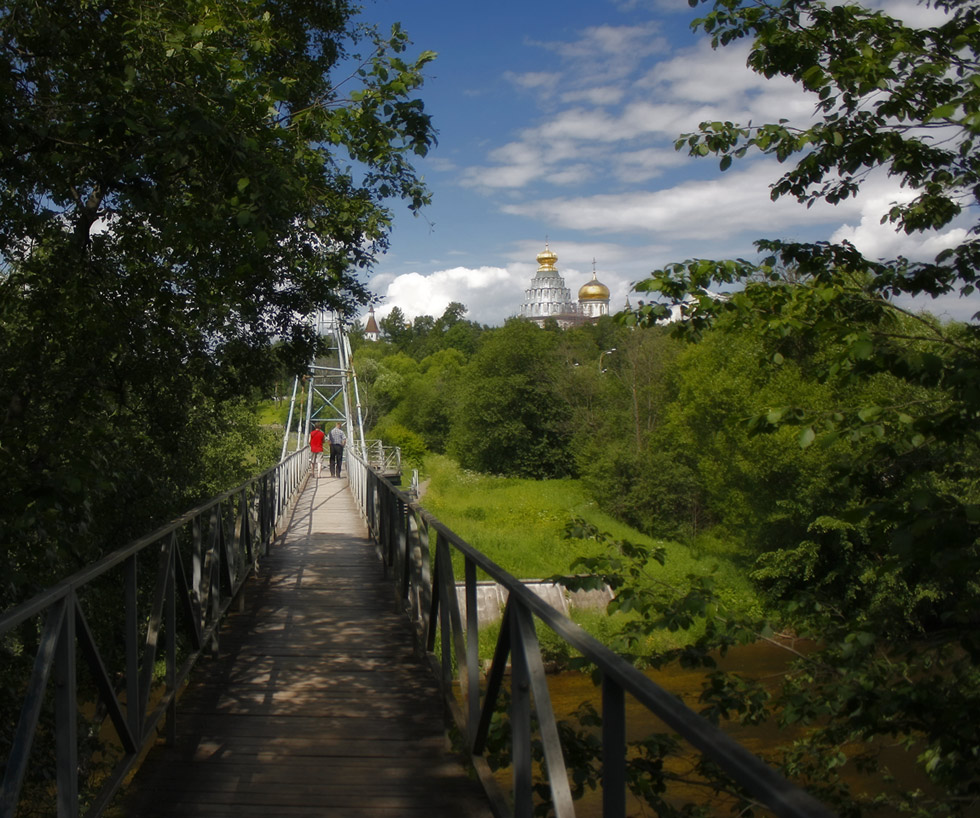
[594, 290]
[546, 260]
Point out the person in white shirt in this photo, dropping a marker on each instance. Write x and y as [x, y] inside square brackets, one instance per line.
[337, 440]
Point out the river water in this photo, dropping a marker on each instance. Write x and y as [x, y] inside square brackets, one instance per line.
[759, 660]
[762, 661]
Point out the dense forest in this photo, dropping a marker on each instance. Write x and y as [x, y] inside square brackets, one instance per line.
[682, 440]
[677, 439]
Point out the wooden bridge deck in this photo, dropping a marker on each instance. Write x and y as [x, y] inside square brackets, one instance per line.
[316, 704]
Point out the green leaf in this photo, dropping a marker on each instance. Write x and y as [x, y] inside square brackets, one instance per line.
[774, 416]
[806, 437]
[943, 111]
[862, 348]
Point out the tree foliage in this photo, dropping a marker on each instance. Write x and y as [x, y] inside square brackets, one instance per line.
[410, 376]
[669, 437]
[179, 185]
[903, 100]
[510, 416]
[883, 573]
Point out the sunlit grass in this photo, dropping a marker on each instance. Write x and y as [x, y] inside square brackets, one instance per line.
[517, 523]
[271, 413]
[520, 523]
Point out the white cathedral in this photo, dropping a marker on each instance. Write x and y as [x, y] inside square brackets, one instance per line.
[548, 297]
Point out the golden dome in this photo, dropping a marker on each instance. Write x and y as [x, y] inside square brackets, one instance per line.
[594, 290]
[546, 260]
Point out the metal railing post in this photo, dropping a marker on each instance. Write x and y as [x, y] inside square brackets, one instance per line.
[520, 722]
[472, 690]
[66, 713]
[170, 618]
[613, 750]
[134, 710]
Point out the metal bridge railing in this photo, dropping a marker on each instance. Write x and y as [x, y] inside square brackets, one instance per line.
[417, 552]
[385, 459]
[171, 588]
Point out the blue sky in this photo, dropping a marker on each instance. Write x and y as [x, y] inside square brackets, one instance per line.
[556, 122]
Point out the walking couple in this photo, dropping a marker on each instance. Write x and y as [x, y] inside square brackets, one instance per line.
[337, 439]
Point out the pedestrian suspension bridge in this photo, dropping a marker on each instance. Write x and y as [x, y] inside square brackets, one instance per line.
[300, 647]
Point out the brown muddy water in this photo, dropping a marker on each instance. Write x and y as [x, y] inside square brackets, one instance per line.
[759, 660]
[762, 661]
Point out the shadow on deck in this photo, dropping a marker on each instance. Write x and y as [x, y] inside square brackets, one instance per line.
[316, 703]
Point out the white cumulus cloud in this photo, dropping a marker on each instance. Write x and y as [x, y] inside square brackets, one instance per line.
[486, 291]
[544, 81]
[715, 208]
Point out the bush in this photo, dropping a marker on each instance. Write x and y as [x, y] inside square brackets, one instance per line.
[411, 443]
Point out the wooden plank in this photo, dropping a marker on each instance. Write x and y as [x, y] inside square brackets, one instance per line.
[262, 750]
[317, 704]
[235, 725]
[291, 786]
[196, 809]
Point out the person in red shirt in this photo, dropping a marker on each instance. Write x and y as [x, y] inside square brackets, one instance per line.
[316, 448]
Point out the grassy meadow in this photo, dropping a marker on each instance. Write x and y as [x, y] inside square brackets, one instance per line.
[519, 524]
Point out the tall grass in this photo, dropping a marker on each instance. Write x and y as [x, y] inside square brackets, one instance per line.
[519, 524]
[271, 413]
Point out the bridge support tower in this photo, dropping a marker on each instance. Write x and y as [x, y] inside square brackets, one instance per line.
[328, 392]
